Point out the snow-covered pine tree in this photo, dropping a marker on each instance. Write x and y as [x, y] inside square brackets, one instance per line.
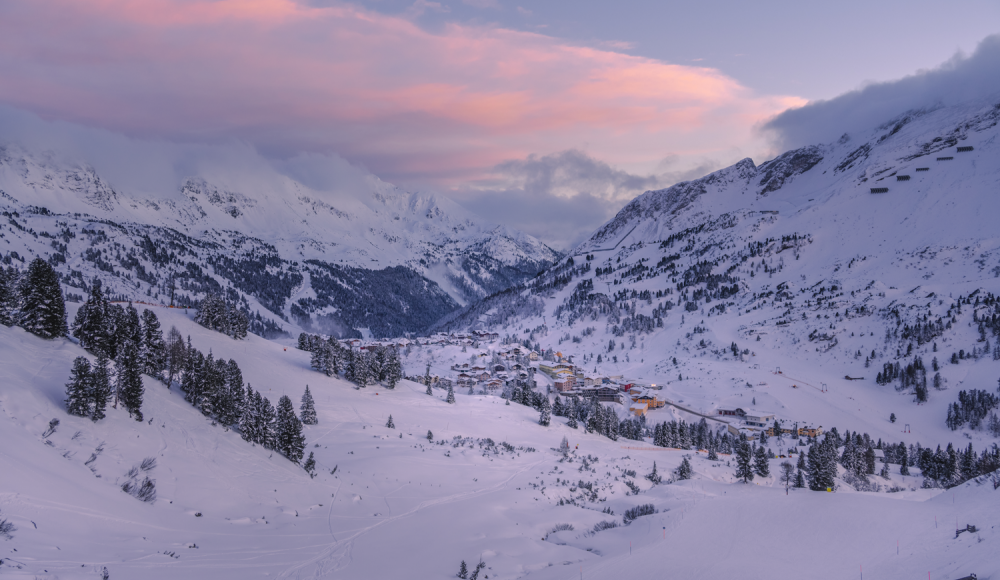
[904, 465]
[249, 419]
[800, 480]
[545, 416]
[8, 295]
[463, 571]
[761, 465]
[393, 368]
[129, 380]
[744, 458]
[79, 389]
[430, 436]
[212, 387]
[362, 369]
[153, 350]
[193, 379]
[267, 427]
[389, 424]
[571, 423]
[683, 470]
[43, 311]
[131, 329]
[100, 377]
[289, 439]
[451, 395]
[654, 476]
[90, 326]
[310, 465]
[307, 411]
[557, 408]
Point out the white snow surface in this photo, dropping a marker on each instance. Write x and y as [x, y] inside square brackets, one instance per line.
[402, 507]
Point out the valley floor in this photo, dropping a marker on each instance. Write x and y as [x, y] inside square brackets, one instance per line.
[389, 503]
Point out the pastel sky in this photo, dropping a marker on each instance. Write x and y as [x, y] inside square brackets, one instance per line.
[572, 107]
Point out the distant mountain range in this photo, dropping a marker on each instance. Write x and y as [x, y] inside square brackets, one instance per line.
[388, 262]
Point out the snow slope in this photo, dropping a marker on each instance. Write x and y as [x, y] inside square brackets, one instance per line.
[399, 506]
[800, 265]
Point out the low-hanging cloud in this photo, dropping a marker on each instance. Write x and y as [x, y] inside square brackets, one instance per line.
[563, 197]
[156, 168]
[960, 79]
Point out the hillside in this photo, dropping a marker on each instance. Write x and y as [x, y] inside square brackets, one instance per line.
[370, 258]
[227, 509]
[829, 261]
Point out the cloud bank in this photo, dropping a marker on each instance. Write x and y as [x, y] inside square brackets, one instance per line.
[416, 107]
[962, 78]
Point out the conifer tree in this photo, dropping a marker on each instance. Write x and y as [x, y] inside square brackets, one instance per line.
[130, 328]
[761, 464]
[129, 384]
[249, 419]
[267, 427]
[572, 424]
[362, 369]
[154, 350]
[557, 409]
[683, 470]
[389, 424]
[310, 465]
[101, 386]
[43, 311]
[79, 389]
[289, 440]
[463, 571]
[8, 296]
[393, 368]
[800, 480]
[308, 409]
[744, 458]
[545, 417]
[429, 391]
[451, 395]
[90, 326]
[712, 454]
[430, 436]
[904, 466]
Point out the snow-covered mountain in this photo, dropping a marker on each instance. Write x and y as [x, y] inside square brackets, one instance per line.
[411, 257]
[834, 259]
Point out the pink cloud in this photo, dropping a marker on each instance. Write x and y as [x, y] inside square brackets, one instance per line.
[411, 104]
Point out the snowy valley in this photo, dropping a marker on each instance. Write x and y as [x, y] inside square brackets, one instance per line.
[846, 292]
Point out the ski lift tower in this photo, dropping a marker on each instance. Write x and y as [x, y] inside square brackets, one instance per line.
[823, 388]
[906, 428]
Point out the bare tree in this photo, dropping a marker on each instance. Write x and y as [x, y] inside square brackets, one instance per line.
[787, 474]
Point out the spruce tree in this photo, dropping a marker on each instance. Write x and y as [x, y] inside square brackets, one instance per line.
[289, 440]
[904, 466]
[43, 311]
[393, 368]
[9, 296]
[130, 328]
[800, 480]
[79, 389]
[545, 417]
[451, 395]
[572, 424]
[308, 409]
[101, 386]
[267, 426]
[90, 326]
[683, 470]
[463, 571]
[712, 454]
[429, 391]
[249, 419]
[129, 384]
[761, 464]
[430, 436]
[310, 465]
[389, 424]
[744, 458]
[154, 350]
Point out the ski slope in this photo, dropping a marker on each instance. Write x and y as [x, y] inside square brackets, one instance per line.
[399, 506]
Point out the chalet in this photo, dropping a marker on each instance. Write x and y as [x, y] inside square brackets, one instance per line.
[758, 419]
[638, 409]
[648, 399]
[810, 431]
[483, 376]
[499, 368]
[732, 412]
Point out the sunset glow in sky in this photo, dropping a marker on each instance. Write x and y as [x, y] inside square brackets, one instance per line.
[425, 95]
